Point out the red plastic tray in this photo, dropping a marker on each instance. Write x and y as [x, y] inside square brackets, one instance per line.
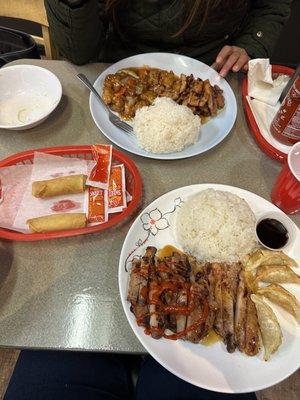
[262, 142]
[133, 185]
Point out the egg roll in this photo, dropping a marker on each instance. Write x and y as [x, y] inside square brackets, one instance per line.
[71, 184]
[57, 222]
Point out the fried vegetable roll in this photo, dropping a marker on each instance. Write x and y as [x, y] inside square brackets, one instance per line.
[57, 222]
[59, 186]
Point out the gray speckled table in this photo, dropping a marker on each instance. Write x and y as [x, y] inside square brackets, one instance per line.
[63, 294]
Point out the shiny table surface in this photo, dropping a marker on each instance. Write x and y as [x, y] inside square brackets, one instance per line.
[63, 293]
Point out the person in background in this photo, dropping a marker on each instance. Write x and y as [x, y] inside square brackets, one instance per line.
[224, 33]
[59, 375]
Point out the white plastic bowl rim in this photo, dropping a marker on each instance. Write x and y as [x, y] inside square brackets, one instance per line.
[48, 111]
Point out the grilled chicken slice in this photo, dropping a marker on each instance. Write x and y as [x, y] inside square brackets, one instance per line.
[182, 300]
[135, 281]
[139, 277]
[199, 311]
[228, 317]
[211, 287]
[138, 286]
[241, 313]
[246, 322]
[205, 276]
[217, 276]
[225, 279]
[252, 342]
[219, 97]
[180, 266]
[141, 314]
[229, 290]
[175, 268]
[156, 321]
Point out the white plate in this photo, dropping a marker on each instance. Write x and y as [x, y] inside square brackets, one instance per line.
[209, 367]
[212, 133]
[28, 94]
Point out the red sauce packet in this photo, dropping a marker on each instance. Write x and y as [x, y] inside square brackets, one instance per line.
[116, 189]
[99, 176]
[97, 206]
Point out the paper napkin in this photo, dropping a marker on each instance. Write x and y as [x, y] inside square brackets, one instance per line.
[263, 98]
[261, 85]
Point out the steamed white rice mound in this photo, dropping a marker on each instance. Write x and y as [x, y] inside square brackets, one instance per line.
[216, 226]
[165, 126]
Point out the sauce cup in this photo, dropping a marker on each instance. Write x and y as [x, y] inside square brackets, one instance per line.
[286, 222]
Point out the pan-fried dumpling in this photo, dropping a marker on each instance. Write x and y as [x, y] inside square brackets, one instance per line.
[268, 257]
[276, 274]
[278, 295]
[269, 326]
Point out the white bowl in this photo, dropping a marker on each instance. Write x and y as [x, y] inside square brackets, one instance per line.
[28, 95]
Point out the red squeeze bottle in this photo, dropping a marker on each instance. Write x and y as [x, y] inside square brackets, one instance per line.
[285, 126]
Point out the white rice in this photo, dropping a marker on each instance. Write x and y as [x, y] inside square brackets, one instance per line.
[216, 226]
[165, 126]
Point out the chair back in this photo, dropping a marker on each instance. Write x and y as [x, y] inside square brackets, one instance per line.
[34, 11]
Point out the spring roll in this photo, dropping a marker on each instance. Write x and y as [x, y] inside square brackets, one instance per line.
[57, 222]
[59, 186]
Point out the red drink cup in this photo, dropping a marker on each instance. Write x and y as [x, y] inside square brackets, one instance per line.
[286, 191]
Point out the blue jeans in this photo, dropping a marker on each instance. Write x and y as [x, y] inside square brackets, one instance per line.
[50, 375]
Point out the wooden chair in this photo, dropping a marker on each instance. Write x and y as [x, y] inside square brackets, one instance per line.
[31, 10]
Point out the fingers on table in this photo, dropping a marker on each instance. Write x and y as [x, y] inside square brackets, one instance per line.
[231, 58]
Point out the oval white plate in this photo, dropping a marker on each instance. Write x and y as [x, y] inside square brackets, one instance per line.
[209, 367]
[29, 94]
[212, 133]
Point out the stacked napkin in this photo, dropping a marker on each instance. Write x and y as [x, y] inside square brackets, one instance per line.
[263, 97]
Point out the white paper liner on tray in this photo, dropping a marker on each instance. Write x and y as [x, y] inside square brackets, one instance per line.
[14, 181]
[46, 167]
[264, 114]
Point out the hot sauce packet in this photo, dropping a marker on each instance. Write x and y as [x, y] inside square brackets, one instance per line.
[116, 189]
[97, 205]
[99, 176]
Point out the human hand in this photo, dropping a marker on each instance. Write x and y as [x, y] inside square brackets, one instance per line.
[231, 58]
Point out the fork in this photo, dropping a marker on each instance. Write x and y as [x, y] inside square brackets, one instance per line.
[114, 119]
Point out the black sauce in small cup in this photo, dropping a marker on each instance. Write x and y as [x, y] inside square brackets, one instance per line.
[272, 233]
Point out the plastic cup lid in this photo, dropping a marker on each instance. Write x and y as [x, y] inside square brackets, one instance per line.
[294, 160]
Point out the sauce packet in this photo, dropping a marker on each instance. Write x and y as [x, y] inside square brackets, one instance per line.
[97, 205]
[116, 189]
[99, 175]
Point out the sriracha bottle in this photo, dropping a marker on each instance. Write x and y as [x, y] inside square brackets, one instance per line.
[285, 126]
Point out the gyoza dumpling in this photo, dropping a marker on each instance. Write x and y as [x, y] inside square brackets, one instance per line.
[269, 327]
[278, 295]
[276, 274]
[268, 257]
